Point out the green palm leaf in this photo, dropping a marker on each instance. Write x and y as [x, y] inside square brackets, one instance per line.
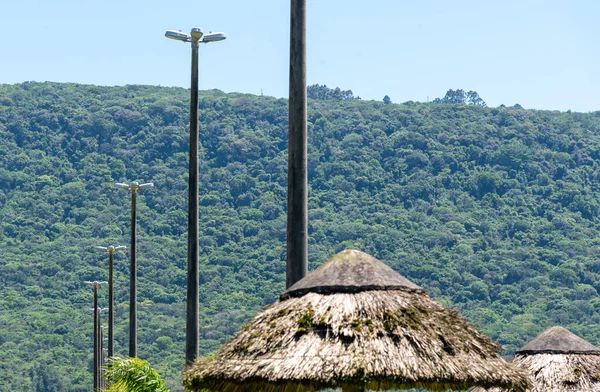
[133, 375]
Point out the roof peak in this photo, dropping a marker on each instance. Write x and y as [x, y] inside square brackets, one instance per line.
[350, 271]
[558, 340]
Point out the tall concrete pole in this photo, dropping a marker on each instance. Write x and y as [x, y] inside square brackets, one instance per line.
[297, 219]
[192, 325]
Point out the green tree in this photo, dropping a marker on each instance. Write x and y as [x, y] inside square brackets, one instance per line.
[323, 92]
[456, 97]
[474, 99]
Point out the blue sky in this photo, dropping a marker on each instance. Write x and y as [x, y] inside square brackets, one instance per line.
[540, 54]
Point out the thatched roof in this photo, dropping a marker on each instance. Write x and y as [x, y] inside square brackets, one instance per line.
[395, 337]
[558, 340]
[558, 361]
[350, 271]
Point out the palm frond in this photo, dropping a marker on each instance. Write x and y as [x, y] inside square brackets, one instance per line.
[133, 375]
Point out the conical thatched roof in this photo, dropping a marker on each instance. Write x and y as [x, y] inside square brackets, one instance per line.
[558, 340]
[350, 271]
[379, 331]
[558, 361]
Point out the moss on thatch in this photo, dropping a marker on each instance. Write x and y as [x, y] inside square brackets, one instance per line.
[393, 339]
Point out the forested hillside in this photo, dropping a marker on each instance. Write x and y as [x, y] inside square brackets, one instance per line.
[493, 210]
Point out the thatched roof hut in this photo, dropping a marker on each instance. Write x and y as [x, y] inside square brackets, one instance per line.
[354, 323]
[558, 361]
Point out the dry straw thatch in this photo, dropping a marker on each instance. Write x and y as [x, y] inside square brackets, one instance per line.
[354, 323]
[558, 361]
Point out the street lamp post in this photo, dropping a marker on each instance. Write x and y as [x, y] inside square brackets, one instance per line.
[133, 188]
[192, 330]
[111, 306]
[97, 372]
[101, 352]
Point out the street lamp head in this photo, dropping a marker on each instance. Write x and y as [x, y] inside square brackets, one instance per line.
[214, 37]
[133, 186]
[95, 283]
[111, 248]
[99, 310]
[197, 33]
[178, 35]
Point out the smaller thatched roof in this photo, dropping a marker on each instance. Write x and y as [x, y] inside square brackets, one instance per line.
[557, 360]
[558, 340]
[354, 323]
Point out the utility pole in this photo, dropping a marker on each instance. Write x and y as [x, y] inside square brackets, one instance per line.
[297, 218]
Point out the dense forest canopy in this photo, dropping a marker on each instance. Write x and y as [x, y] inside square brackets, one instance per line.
[493, 210]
